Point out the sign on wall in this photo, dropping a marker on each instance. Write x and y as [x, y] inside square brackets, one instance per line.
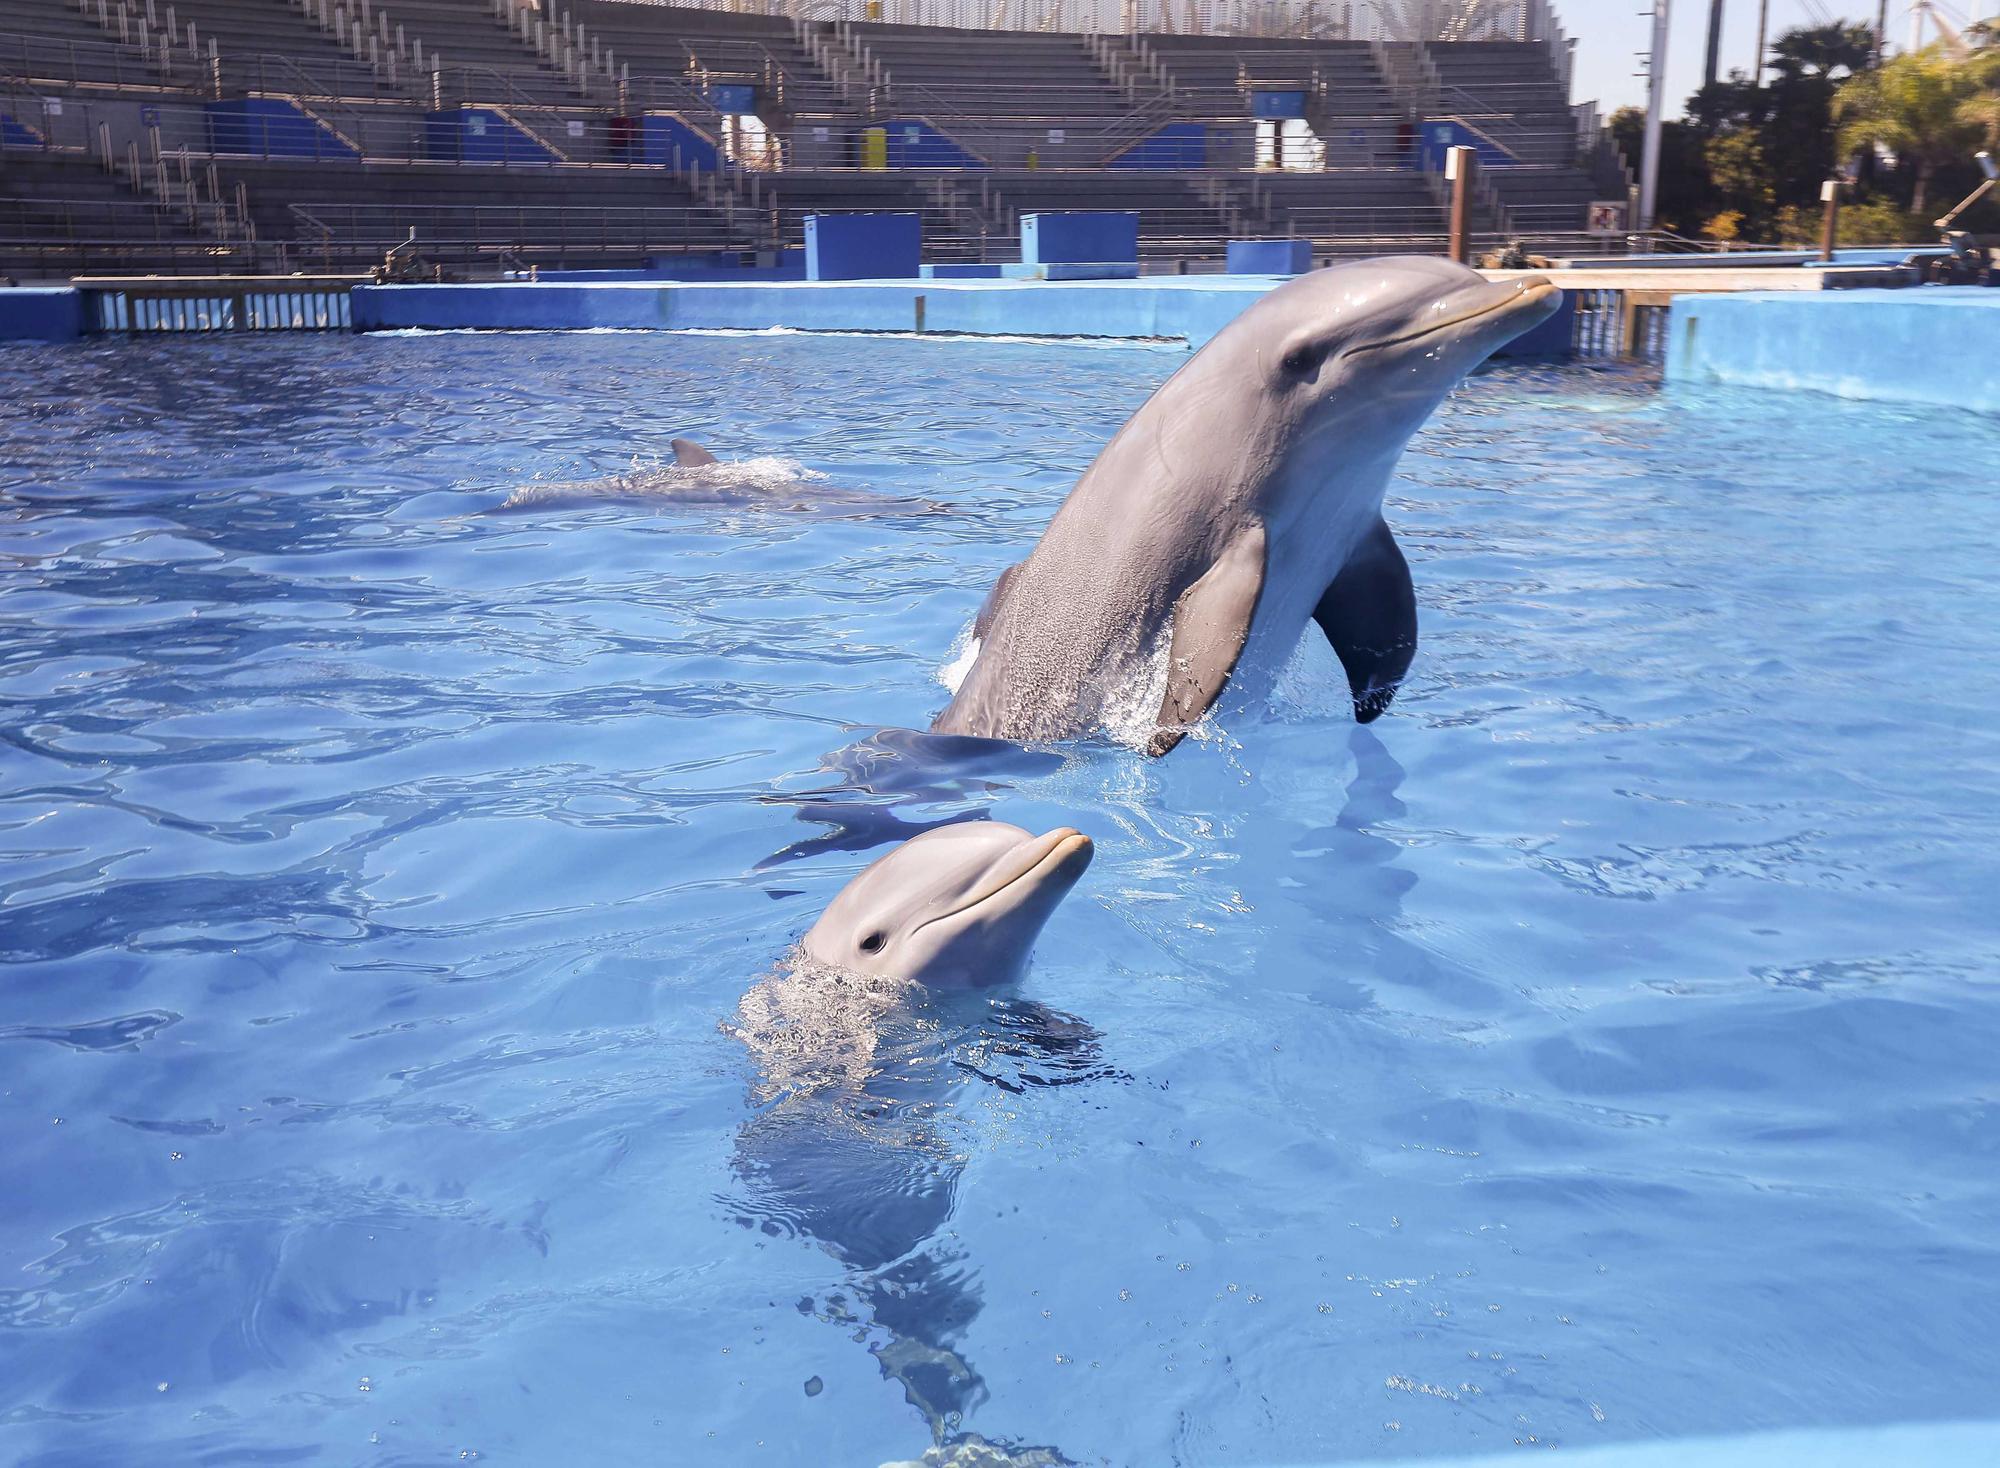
[1605, 216]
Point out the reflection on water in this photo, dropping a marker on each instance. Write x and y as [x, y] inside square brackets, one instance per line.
[857, 1142]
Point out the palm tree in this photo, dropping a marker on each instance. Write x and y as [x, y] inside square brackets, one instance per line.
[1924, 106]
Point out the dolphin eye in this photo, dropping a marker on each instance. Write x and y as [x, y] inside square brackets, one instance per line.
[873, 942]
[1303, 361]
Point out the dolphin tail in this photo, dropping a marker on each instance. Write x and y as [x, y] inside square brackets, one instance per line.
[689, 454]
[1369, 614]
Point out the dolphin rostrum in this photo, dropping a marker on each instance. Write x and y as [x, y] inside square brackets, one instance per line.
[1242, 499]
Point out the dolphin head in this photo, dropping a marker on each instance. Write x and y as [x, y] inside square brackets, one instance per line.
[1350, 360]
[958, 905]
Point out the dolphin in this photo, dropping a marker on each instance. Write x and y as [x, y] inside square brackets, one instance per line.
[956, 906]
[861, 1045]
[1243, 499]
[697, 478]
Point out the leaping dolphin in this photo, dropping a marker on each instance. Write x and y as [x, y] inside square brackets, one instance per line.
[1242, 499]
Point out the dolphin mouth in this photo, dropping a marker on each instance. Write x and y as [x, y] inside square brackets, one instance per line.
[1062, 853]
[1535, 296]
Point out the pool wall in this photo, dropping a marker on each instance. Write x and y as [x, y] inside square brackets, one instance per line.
[1176, 308]
[41, 314]
[1931, 344]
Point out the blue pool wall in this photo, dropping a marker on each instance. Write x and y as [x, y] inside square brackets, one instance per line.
[41, 314]
[1929, 344]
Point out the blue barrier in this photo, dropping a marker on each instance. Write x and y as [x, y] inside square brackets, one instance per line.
[480, 135]
[1551, 340]
[15, 134]
[1080, 237]
[735, 98]
[914, 143]
[1931, 344]
[1269, 257]
[1177, 145]
[41, 314]
[1441, 134]
[268, 127]
[1277, 104]
[863, 246]
[665, 138]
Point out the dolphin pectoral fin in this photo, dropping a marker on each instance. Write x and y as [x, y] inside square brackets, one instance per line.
[690, 455]
[1211, 625]
[990, 608]
[1369, 614]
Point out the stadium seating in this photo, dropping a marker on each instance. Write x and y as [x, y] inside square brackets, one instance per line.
[498, 141]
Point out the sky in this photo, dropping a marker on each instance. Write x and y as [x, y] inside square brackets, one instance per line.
[1609, 33]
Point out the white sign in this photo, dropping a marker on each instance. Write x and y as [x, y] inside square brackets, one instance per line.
[1056, 135]
[1605, 216]
[53, 106]
[575, 128]
[476, 125]
[822, 135]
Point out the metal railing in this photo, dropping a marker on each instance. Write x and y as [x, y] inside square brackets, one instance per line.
[471, 234]
[55, 61]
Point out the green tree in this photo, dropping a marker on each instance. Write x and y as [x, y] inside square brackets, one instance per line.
[1923, 106]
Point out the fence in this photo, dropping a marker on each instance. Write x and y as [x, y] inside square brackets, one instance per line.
[213, 304]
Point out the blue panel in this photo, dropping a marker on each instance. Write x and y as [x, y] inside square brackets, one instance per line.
[1080, 237]
[268, 127]
[863, 246]
[1932, 344]
[41, 314]
[732, 97]
[19, 135]
[1269, 257]
[1177, 145]
[1551, 340]
[665, 138]
[963, 272]
[480, 135]
[1278, 104]
[1442, 133]
[914, 143]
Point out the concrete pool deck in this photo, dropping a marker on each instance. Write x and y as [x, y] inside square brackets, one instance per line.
[1928, 344]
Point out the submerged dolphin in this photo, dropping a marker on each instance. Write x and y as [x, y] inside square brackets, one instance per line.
[1242, 499]
[697, 478]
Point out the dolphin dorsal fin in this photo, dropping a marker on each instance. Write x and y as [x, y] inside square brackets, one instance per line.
[1211, 624]
[1369, 614]
[689, 454]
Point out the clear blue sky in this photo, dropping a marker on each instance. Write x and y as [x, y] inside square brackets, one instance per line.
[1609, 33]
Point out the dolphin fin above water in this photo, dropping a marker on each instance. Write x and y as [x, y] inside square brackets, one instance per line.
[1369, 614]
[691, 455]
[1211, 625]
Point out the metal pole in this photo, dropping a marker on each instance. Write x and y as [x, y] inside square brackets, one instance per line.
[1458, 166]
[1881, 30]
[1829, 193]
[1714, 42]
[1763, 30]
[1656, 101]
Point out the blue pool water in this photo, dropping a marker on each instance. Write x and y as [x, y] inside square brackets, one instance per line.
[1600, 1048]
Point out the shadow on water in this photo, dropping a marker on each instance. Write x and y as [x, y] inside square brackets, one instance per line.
[858, 1139]
[889, 770]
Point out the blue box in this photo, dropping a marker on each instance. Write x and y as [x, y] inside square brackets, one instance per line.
[1080, 237]
[479, 135]
[41, 314]
[1278, 104]
[1269, 257]
[863, 246]
[732, 97]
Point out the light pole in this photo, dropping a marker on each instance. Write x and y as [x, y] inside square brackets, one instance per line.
[1656, 101]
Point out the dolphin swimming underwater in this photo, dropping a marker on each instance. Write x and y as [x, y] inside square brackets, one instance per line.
[697, 479]
[1242, 499]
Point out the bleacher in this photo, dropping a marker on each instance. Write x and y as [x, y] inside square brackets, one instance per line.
[116, 110]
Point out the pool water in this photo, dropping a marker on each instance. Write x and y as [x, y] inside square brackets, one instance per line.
[1601, 1047]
